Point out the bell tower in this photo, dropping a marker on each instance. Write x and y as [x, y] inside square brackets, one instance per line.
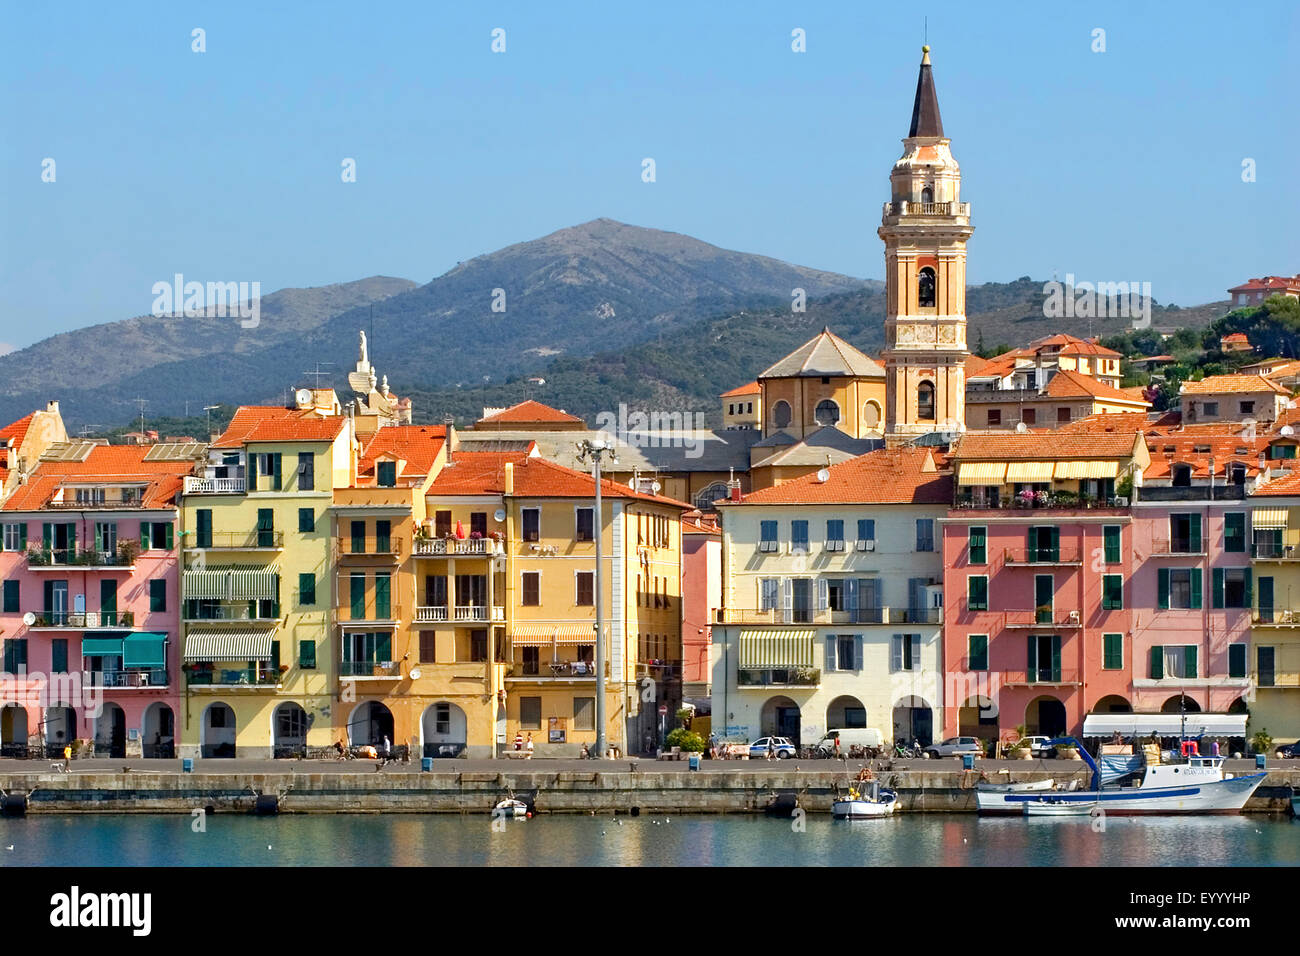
[925, 226]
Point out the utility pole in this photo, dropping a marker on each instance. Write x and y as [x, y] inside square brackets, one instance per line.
[142, 402]
[595, 449]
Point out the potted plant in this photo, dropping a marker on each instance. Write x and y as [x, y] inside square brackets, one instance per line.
[1261, 742]
[688, 741]
[1067, 752]
[284, 669]
[1017, 748]
[127, 551]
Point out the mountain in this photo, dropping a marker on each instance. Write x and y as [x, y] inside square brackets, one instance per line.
[586, 289]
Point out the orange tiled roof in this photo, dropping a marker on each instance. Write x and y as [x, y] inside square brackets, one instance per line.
[1288, 484]
[417, 445]
[1234, 337]
[752, 388]
[887, 476]
[1197, 450]
[474, 473]
[1070, 384]
[264, 423]
[975, 365]
[1217, 384]
[539, 478]
[531, 411]
[1047, 446]
[106, 464]
[14, 433]
[1268, 284]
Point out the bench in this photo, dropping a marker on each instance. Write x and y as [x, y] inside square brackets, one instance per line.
[519, 754]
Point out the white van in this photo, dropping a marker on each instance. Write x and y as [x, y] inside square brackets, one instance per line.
[868, 738]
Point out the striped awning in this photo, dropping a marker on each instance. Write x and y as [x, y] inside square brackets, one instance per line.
[776, 647]
[231, 583]
[1066, 470]
[981, 473]
[540, 635]
[1034, 471]
[1268, 518]
[235, 645]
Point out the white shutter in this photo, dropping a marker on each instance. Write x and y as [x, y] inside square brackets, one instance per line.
[916, 652]
[822, 598]
[858, 663]
[896, 653]
[787, 599]
[831, 647]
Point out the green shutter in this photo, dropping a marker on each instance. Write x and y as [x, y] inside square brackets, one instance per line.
[1111, 540]
[1248, 597]
[170, 542]
[307, 654]
[358, 596]
[252, 472]
[1194, 533]
[1191, 661]
[275, 656]
[307, 589]
[1236, 660]
[1112, 651]
[1031, 658]
[1056, 657]
[47, 536]
[276, 482]
[1157, 662]
[1198, 579]
[383, 646]
[146, 537]
[1217, 597]
[1055, 535]
[22, 536]
[1163, 588]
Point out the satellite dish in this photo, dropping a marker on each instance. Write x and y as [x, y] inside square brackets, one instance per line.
[499, 515]
[415, 673]
[1021, 427]
[656, 487]
[29, 618]
[824, 475]
[1290, 403]
[303, 396]
[1287, 430]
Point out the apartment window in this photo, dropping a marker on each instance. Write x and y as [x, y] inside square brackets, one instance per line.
[532, 589]
[584, 524]
[307, 654]
[59, 655]
[847, 654]
[977, 593]
[306, 471]
[358, 529]
[269, 465]
[995, 416]
[1281, 451]
[1185, 533]
[428, 647]
[435, 590]
[835, 594]
[1112, 592]
[1232, 587]
[769, 594]
[1265, 666]
[1210, 408]
[977, 652]
[530, 713]
[1043, 658]
[15, 655]
[977, 551]
[383, 597]
[265, 528]
[731, 408]
[532, 661]
[799, 536]
[1110, 535]
[1248, 408]
[11, 597]
[1179, 588]
[835, 534]
[106, 537]
[306, 589]
[203, 528]
[306, 519]
[1234, 531]
[1237, 660]
[1173, 660]
[1062, 415]
[767, 536]
[386, 474]
[906, 652]
[478, 645]
[584, 713]
[157, 595]
[156, 535]
[1044, 544]
[866, 532]
[532, 518]
[478, 523]
[1029, 416]
[357, 596]
[442, 523]
[585, 588]
[15, 537]
[924, 534]
[1112, 652]
[925, 402]
[383, 537]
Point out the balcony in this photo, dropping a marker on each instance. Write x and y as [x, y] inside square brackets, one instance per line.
[906, 209]
[370, 670]
[1177, 548]
[552, 670]
[239, 541]
[1042, 676]
[82, 621]
[127, 679]
[1042, 556]
[430, 615]
[779, 677]
[1222, 492]
[1275, 617]
[660, 670]
[214, 486]
[389, 614]
[862, 615]
[347, 547]
[1043, 618]
[453, 547]
[1274, 551]
[222, 613]
[1042, 501]
[83, 559]
[214, 676]
[478, 613]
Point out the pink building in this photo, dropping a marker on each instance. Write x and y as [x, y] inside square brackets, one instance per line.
[90, 602]
[1037, 606]
[701, 594]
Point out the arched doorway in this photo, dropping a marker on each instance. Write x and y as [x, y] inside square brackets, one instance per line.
[846, 712]
[914, 720]
[1045, 716]
[289, 726]
[1113, 704]
[870, 415]
[1238, 706]
[159, 729]
[1171, 706]
[978, 717]
[370, 723]
[443, 730]
[13, 731]
[110, 732]
[218, 731]
[60, 729]
[780, 716]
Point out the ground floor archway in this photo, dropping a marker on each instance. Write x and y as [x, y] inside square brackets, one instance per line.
[217, 731]
[1113, 704]
[159, 731]
[110, 732]
[780, 716]
[444, 730]
[846, 712]
[289, 727]
[371, 722]
[60, 729]
[978, 717]
[1045, 716]
[914, 720]
[13, 731]
[1172, 706]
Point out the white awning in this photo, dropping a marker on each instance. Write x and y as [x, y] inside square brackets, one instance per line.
[228, 645]
[228, 583]
[1268, 518]
[542, 635]
[1069, 470]
[1164, 725]
[1035, 472]
[776, 647]
[981, 472]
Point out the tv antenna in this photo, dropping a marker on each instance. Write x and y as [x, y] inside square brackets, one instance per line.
[210, 409]
[318, 373]
[142, 402]
[87, 429]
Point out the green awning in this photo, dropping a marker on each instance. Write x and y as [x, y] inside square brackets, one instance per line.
[101, 646]
[144, 649]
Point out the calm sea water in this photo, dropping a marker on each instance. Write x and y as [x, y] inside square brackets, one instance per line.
[425, 840]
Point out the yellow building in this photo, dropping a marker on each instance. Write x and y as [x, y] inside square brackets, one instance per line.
[260, 665]
[742, 407]
[1274, 664]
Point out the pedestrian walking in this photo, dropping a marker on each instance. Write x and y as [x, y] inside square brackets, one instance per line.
[519, 740]
[529, 745]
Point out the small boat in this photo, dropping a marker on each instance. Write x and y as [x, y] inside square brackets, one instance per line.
[1050, 807]
[510, 808]
[1022, 787]
[866, 799]
[992, 797]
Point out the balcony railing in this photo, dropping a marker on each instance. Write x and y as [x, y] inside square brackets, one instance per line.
[861, 615]
[1165, 547]
[347, 614]
[381, 669]
[239, 540]
[430, 614]
[214, 486]
[228, 612]
[1067, 555]
[122, 558]
[1040, 675]
[479, 612]
[779, 677]
[146, 677]
[1276, 617]
[84, 620]
[553, 670]
[1042, 501]
[661, 670]
[1039, 617]
[1220, 492]
[106, 504]
[907, 208]
[263, 676]
[442, 547]
[346, 546]
[1274, 551]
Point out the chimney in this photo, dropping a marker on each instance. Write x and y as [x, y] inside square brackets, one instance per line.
[509, 488]
[449, 432]
[52, 407]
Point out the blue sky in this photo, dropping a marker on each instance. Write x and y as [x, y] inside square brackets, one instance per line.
[225, 165]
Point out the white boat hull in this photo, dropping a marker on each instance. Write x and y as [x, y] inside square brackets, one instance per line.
[1210, 796]
[511, 808]
[1035, 808]
[861, 809]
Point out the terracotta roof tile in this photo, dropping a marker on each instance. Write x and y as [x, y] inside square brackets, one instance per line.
[267, 423]
[531, 411]
[887, 476]
[1070, 384]
[14, 433]
[1042, 447]
[417, 445]
[106, 464]
[753, 388]
[1219, 384]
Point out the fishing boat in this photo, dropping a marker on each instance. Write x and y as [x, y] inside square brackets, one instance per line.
[1190, 784]
[866, 799]
[989, 796]
[1049, 807]
[510, 808]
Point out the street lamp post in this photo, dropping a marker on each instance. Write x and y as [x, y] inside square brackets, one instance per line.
[595, 449]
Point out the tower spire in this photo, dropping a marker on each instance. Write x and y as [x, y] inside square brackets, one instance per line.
[925, 110]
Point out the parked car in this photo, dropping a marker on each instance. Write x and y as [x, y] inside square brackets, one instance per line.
[1038, 746]
[781, 746]
[1289, 751]
[954, 746]
[866, 738]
